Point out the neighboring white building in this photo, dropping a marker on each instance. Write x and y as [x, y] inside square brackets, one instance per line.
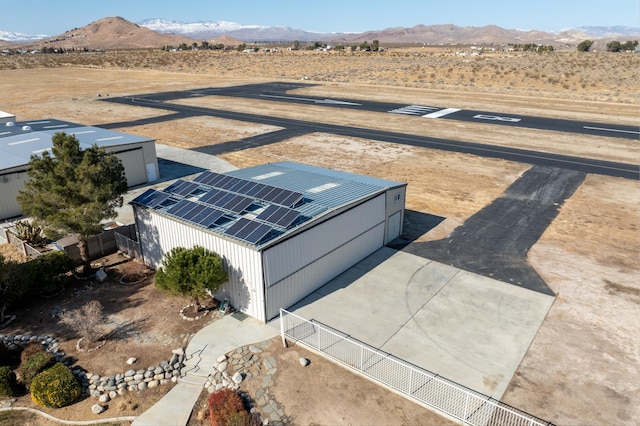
[283, 229]
[5, 117]
[20, 140]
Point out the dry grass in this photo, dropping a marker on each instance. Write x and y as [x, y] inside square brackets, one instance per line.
[598, 76]
[10, 252]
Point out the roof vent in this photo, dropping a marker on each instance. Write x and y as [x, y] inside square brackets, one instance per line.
[26, 128]
[10, 124]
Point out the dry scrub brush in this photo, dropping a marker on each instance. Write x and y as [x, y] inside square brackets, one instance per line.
[86, 321]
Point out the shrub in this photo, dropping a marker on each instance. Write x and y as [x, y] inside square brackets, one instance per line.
[34, 360]
[86, 321]
[226, 409]
[46, 274]
[8, 383]
[55, 387]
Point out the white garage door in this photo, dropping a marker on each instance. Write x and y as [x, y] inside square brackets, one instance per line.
[134, 167]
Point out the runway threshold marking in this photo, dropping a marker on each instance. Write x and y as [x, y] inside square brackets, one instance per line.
[611, 130]
[317, 101]
[442, 113]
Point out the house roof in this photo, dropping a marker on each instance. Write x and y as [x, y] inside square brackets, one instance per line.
[263, 204]
[19, 140]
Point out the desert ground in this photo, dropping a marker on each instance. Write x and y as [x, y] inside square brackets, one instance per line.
[583, 367]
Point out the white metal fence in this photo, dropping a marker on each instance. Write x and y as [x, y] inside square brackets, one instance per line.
[425, 387]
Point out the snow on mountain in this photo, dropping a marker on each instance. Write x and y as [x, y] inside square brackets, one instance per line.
[611, 31]
[20, 37]
[178, 27]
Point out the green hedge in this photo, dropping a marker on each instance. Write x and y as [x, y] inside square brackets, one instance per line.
[34, 360]
[55, 387]
[8, 382]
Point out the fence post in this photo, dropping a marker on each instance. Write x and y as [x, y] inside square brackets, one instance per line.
[284, 341]
[466, 407]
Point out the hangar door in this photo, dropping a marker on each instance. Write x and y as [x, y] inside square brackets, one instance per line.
[134, 167]
[296, 267]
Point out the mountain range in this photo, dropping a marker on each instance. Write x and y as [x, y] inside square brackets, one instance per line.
[116, 32]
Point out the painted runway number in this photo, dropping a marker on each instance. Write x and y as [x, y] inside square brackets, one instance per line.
[496, 118]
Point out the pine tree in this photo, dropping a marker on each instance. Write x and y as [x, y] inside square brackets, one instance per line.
[71, 191]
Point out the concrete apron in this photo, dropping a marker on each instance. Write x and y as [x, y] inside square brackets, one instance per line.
[465, 327]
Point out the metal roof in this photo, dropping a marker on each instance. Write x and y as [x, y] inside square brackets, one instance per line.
[19, 140]
[263, 204]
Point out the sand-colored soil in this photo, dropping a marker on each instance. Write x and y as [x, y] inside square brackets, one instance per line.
[584, 365]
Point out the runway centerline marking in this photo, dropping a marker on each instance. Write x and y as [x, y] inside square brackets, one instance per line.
[497, 118]
[317, 101]
[611, 130]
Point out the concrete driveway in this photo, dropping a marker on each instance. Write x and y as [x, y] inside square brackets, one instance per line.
[465, 327]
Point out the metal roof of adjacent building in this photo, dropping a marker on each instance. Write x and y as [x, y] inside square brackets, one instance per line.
[20, 140]
[263, 204]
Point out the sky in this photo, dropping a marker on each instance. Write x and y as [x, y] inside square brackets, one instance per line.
[324, 16]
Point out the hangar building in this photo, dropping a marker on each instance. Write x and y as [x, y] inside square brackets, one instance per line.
[19, 140]
[282, 229]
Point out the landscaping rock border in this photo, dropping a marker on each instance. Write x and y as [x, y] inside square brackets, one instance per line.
[111, 385]
[249, 362]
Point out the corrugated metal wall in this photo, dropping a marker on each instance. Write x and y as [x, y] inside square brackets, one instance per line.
[158, 234]
[299, 285]
[300, 265]
[11, 183]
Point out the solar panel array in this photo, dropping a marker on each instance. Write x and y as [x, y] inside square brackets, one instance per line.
[261, 191]
[278, 215]
[226, 197]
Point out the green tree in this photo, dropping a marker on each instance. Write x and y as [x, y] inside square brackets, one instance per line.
[375, 45]
[191, 273]
[296, 45]
[614, 46]
[585, 45]
[71, 191]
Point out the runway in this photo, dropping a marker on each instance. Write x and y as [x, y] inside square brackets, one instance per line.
[294, 128]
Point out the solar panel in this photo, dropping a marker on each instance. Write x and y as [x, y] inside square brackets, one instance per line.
[211, 196]
[187, 188]
[251, 192]
[238, 204]
[271, 194]
[248, 187]
[237, 227]
[279, 198]
[278, 215]
[266, 213]
[203, 176]
[221, 201]
[193, 212]
[177, 208]
[287, 218]
[246, 230]
[293, 199]
[256, 236]
[229, 183]
[218, 183]
[175, 185]
[151, 198]
[210, 219]
[239, 185]
[264, 191]
[215, 179]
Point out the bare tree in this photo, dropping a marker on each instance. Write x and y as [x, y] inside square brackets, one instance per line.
[86, 321]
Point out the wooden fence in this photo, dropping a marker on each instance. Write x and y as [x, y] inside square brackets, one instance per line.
[99, 245]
